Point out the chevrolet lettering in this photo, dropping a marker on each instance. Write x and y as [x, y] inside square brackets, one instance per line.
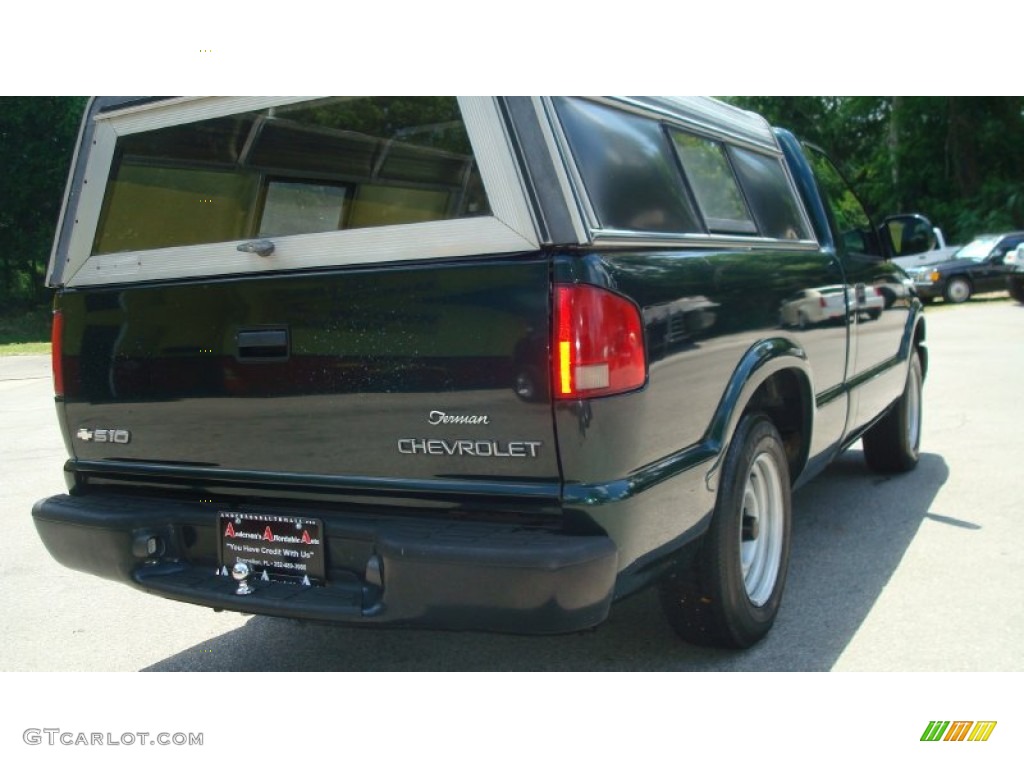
[482, 363]
[482, 448]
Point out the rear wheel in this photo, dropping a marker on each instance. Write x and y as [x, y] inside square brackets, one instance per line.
[958, 290]
[893, 444]
[730, 594]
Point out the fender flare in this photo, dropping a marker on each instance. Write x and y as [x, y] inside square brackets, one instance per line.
[759, 363]
[915, 334]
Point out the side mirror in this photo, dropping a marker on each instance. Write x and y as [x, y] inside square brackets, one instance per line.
[908, 234]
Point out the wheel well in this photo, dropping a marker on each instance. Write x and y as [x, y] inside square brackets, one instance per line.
[785, 399]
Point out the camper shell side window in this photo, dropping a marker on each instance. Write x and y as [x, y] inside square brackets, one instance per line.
[644, 176]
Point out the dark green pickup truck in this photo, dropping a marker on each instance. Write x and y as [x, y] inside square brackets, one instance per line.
[474, 363]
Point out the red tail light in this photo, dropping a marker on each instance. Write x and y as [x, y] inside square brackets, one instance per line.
[57, 352]
[598, 344]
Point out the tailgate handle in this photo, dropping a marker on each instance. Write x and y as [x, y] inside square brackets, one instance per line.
[263, 344]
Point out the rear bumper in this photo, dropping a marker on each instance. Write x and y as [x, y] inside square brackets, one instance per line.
[428, 573]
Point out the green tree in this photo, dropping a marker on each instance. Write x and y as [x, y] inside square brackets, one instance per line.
[962, 161]
[37, 136]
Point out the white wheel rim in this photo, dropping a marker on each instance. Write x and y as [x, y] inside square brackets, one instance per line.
[761, 531]
[958, 290]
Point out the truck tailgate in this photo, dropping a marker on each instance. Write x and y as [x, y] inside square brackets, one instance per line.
[418, 371]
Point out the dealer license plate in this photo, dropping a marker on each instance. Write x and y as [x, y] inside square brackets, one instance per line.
[284, 548]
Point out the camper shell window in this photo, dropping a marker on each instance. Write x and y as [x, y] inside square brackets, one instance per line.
[647, 172]
[192, 187]
[713, 183]
[769, 194]
[627, 168]
[329, 165]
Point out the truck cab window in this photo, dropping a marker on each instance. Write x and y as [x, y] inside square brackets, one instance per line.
[856, 234]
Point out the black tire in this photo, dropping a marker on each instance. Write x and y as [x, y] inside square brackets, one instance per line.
[958, 290]
[711, 601]
[1015, 286]
[894, 443]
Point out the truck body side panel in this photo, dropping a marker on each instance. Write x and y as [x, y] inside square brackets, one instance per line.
[703, 310]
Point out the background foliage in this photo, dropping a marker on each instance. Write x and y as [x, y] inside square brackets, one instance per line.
[37, 137]
[958, 160]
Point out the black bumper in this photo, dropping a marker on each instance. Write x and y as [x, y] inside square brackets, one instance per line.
[422, 572]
